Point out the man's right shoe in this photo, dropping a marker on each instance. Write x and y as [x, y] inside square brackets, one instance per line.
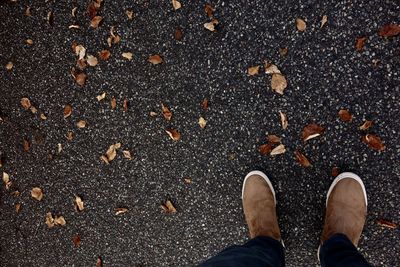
[346, 208]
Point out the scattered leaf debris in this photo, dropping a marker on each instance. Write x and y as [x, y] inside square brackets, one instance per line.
[95, 22]
[168, 207]
[311, 131]
[209, 10]
[113, 103]
[104, 54]
[119, 211]
[37, 193]
[386, 223]
[80, 77]
[301, 25]
[202, 122]
[253, 70]
[25, 145]
[389, 30]
[174, 134]
[26, 103]
[266, 148]
[129, 14]
[373, 141]
[78, 203]
[176, 4]
[92, 60]
[324, 20]
[125, 105]
[99, 262]
[178, 34]
[280, 149]
[166, 112]
[335, 171]
[360, 42]
[81, 124]
[6, 180]
[127, 55]
[366, 125]
[18, 207]
[67, 111]
[76, 239]
[345, 115]
[302, 159]
[155, 59]
[53, 221]
[283, 51]
[127, 154]
[101, 97]
[29, 41]
[204, 104]
[284, 120]
[274, 139]
[211, 25]
[187, 180]
[9, 66]
[111, 153]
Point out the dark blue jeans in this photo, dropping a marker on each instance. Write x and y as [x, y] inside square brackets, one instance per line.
[267, 252]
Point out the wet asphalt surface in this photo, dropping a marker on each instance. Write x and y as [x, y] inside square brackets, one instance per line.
[324, 71]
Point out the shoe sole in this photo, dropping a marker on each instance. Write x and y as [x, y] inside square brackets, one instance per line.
[338, 178]
[264, 176]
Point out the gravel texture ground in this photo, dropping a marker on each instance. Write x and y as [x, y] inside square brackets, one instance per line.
[325, 73]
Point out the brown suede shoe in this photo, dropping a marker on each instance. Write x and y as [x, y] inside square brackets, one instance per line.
[258, 197]
[346, 208]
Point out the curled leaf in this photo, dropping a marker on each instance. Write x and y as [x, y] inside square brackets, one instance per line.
[168, 207]
[324, 20]
[166, 112]
[125, 105]
[127, 55]
[113, 103]
[211, 25]
[278, 150]
[278, 83]
[174, 134]
[387, 224]
[127, 154]
[301, 25]
[302, 159]
[360, 42]
[373, 141]
[345, 115]
[253, 70]
[204, 104]
[6, 180]
[92, 60]
[25, 103]
[129, 14]
[284, 120]
[366, 125]
[176, 4]
[104, 54]
[94, 23]
[81, 124]
[37, 193]
[265, 149]
[155, 59]
[101, 97]
[202, 122]
[178, 34]
[274, 139]
[76, 240]
[119, 211]
[209, 10]
[79, 205]
[311, 131]
[67, 111]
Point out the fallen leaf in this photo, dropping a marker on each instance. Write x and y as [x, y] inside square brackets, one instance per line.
[311, 131]
[59, 220]
[153, 114]
[271, 68]
[79, 205]
[111, 152]
[17, 207]
[99, 262]
[25, 103]
[80, 51]
[33, 110]
[283, 51]
[49, 220]
[119, 211]
[324, 20]
[345, 115]
[373, 141]
[202, 122]
[29, 41]
[387, 224]
[28, 11]
[253, 70]
[92, 60]
[94, 23]
[130, 14]
[105, 159]
[127, 55]
[73, 11]
[274, 139]
[176, 4]
[127, 154]
[125, 105]
[389, 30]
[114, 38]
[284, 120]
[187, 181]
[25, 145]
[74, 26]
[76, 240]
[178, 34]
[101, 97]
[366, 125]
[278, 83]
[166, 112]
[174, 134]
[278, 150]
[335, 171]
[302, 159]
[211, 25]
[265, 149]
[37, 193]
[59, 148]
[204, 104]
[155, 59]
[81, 124]
[80, 78]
[9, 66]
[360, 42]
[50, 18]
[6, 180]
[301, 25]
[168, 207]
[104, 54]
[43, 117]
[16, 193]
[113, 103]
[70, 136]
[67, 111]
[209, 10]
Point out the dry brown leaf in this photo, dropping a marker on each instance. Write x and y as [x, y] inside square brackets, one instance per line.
[28, 11]
[70, 136]
[271, 68]
[274, 139]
[113, 103]
[59, 148]
[99, 262]
[25, 103]
[153, 114]
[335, 171]
[278, 83]
[178, 34]
[92, 60]
[127, 154]
[43, 117]
[389, 30]
[6, 180]
[311, 131]
[104, 54]
[324, 20]
[176, 4]
[67, 111]
[360, 42]
[49, 220]
[174, 134]
[15, 193]
[105, 159]
[366, 125]
[37, 193]
[284, 120]
[9, 66]
[202, 122]
[204, 104]
[166, 112]
[17, 207]
[373, 141]
[80, 51]
[265, 149]
[79, 205]
[130, 14]
[301, 25]
[127, 55]
[283, 51]
[119, 211]
[387, 224]
[81, 124]
[80, 78]
[278, 150]
[209, 10]
[112, 151]
[302, 159]
[168, 207]
[253, 70]
[74, 26]
[211, 25]
[73, 11]
[155, 59]
[26, 145]
[33, 110]
[94, 23]
[76, 240]
[29, 41]
[125, 105]
[345, 115]
[59, 220]
[50, 18]
[187, 181]
[101, 97]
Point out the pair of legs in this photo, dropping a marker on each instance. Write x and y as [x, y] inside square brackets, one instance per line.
[346, 208]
